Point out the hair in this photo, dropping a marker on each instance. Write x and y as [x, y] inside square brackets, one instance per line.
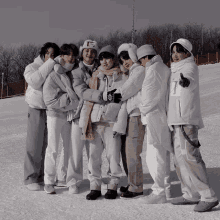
[45, 48]
[124, 55]
[106, 55]
[179, 49]
[66, 49]
[149, 56]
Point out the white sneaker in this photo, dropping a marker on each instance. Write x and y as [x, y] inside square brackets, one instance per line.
[154, 199]
[60, 183]
[73, 189]
[49, 189]
[33, 186]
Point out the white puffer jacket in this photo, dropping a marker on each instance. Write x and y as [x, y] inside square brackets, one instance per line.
[131, 90]
[184, 103]
[154, 102]
[35, 75]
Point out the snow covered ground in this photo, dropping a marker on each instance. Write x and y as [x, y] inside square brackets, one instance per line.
[17, 203]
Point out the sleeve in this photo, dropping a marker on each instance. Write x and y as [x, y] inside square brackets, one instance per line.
[151, 92]
[82, 89]
[121, 124]
[133, 84]
[36, 78]
[55, 98]
[190, 73]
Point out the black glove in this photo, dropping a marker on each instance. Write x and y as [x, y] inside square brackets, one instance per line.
[110, 95]
[117, 97]
[184, 82]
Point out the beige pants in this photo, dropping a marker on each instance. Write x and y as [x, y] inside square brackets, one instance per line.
[134, 145]
[104, 139]
[190, 166]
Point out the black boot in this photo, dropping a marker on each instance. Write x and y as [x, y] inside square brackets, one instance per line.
[111, 194]
[124, 188]
[93, 195]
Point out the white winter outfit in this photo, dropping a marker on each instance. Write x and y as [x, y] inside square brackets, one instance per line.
[184, 103]
[184, 113]
[59, 98]
[154, 102]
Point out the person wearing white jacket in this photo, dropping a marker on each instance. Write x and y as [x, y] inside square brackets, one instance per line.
[59, 98]
[131, 91]
[154, 102]
[184, 120]
[35, 75]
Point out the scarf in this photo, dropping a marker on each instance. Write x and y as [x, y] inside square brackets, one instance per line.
[100, 73]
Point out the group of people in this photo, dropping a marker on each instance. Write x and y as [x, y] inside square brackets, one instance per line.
[113, 100]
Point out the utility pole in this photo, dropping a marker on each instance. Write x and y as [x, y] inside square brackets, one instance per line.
[171, 37]
[2, 85]
[202, 39]
[133, 31]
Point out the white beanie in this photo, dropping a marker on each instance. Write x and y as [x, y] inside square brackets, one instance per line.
[145, 50]
[185, 43]
[132, 51]
[89, 44]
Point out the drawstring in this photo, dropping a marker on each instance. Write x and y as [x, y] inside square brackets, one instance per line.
[188, 139]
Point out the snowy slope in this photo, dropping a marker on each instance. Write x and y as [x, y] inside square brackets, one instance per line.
[18, 203]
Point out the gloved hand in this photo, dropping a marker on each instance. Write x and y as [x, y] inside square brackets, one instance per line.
[115, 134]
[117, 97]
[184, 82]
[110, 95]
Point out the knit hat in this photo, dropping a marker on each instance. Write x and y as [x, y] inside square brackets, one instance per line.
[132, 51]
[145, 50]
[185, 43]
[89, 44]
[108, 49]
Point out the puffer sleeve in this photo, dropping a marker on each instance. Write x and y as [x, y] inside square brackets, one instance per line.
[36, 78]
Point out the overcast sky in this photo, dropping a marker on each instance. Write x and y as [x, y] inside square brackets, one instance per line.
[39, 21]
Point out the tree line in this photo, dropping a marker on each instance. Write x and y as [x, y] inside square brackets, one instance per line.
[204, 40]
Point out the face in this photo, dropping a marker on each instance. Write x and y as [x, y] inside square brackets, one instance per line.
[107, 64]
[127, 63]
[69, 58]
[49, 54]
[143, 61]
[89, 55]
[176, 56]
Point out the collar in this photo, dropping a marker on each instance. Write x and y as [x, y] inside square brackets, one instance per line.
[177, 66]
[133, 67]
[83, 68]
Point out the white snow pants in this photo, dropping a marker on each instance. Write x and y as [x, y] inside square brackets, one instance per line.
[75, 160]
[56, 126]
[104, 139]
[158, 162]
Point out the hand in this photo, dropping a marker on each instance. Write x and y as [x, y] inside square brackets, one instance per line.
[115, 134]
[110, 95]
[117, 97]
[184, 82]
